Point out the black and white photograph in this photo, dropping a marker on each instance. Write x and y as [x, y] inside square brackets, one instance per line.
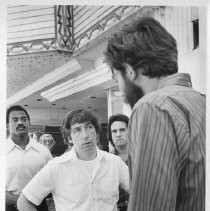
[105, 106]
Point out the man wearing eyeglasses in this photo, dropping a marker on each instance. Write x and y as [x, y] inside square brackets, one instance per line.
[25, 157]
[48, 141]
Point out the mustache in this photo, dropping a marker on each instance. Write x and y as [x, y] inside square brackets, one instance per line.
[21, 126]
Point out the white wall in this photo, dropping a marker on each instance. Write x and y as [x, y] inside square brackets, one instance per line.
[178, 21]
[52, 117]
[27, 22]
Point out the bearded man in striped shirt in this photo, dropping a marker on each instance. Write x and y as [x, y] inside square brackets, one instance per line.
[167, 124]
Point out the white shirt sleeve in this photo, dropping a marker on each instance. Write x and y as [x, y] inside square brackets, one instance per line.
[40, 186]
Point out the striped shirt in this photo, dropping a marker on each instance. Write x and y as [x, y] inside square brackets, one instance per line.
[167, 148]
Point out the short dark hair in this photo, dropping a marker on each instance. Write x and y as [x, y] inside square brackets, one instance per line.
[114, 118]
[16, 108]
[64, 132]
[143, 43]
[80, 116]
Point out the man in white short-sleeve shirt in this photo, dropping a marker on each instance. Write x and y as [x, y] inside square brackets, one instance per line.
[25, 157]
[82, 179]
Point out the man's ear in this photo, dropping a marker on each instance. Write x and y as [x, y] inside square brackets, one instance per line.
[130, 73]
[7, 127]
[69, 138]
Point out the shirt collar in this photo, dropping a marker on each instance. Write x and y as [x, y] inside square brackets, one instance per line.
[32, 144]
[11, 144]
[182, 79]
[72, 156]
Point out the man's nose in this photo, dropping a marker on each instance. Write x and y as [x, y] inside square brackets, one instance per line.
[118, 133]
[84, 133]
[20, 122]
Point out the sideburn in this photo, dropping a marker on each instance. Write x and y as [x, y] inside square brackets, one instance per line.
[132, 93]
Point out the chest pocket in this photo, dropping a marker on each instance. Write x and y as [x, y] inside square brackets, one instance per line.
[76, 191]
[107, 190]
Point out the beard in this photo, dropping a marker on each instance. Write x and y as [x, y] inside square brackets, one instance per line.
[132, 93]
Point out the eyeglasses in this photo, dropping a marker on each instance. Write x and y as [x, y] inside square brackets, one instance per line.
[49, 141]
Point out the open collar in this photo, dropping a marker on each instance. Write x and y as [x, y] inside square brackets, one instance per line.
[11, 145]
[72, 156]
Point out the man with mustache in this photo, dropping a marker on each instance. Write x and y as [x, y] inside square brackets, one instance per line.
[84, 178]
[166, 129]
[25, 157]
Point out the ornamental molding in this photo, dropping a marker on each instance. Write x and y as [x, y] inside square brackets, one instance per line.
[64, 37]
[104, 29]
[34, 46]
[65, 26]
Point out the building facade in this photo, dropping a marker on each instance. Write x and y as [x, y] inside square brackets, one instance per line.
[55, 56]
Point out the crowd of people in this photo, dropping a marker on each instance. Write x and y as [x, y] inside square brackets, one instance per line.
[158, 156]
[86, 174]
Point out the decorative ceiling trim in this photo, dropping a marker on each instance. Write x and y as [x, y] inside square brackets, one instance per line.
[65, 27]
[34, 46]
[65, 35]
[92, 78]
[103, 29]
[47, 80]
[103, 25]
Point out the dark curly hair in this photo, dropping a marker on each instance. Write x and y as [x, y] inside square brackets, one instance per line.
[16, 108]
[143, 43]
[79, 116]
[113, 118]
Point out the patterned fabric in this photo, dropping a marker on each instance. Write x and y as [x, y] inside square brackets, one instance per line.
[167, 148]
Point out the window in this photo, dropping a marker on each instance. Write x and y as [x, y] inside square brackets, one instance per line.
[195, 27]
[195, 34]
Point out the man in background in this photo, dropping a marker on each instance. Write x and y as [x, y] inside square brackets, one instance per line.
[117, 132]
[48, 141]
[167, 126]
[118, 137]
[25, 157]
